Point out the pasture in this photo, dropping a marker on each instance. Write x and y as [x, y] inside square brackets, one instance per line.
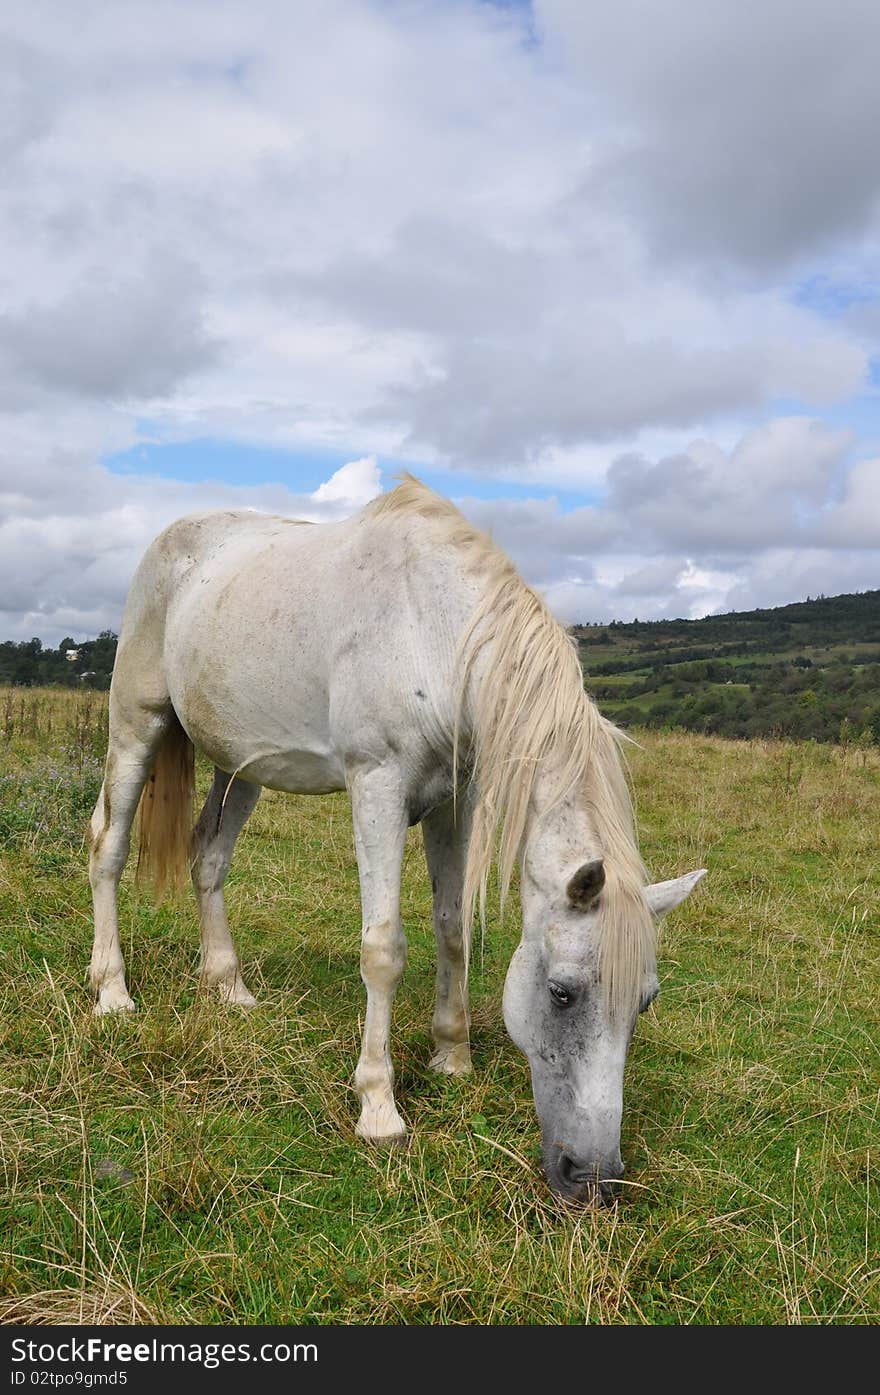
[193, 1163]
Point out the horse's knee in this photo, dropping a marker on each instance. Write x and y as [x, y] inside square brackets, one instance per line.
[107, 855]
[383, 955]
[448, 932]
[209, 869]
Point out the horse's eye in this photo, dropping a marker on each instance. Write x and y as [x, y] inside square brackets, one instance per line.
[561, 996]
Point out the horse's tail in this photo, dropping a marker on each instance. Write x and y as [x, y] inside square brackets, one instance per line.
[166, 815]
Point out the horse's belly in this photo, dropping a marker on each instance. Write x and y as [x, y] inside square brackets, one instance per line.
[296, 772]
[249, 730]
[297, 768]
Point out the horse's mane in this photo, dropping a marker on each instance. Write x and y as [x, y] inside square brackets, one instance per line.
[529, 715]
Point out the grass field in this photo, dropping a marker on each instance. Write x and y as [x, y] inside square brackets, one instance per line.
[194, 1164]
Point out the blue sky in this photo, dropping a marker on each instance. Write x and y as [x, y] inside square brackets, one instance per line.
[612, 284]
[238, 463]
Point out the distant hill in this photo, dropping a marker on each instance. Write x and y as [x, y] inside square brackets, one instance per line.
[809, 670]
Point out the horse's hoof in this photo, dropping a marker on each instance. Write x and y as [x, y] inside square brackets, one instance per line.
[391, 1143]
[384, 1128]
[107, 1005]
[452, 1060]
[239, 997]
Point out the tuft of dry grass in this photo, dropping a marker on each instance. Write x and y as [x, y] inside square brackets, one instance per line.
[72, 1307]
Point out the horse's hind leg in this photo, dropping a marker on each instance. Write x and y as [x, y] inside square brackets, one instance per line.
[227, 809]
[446, 833]
[129, 758]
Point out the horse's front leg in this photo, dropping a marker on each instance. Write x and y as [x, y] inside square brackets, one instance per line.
[446, 833]
[380, 824]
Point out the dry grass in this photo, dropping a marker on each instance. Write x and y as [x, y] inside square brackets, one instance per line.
[195, 1164]
[75, 1307]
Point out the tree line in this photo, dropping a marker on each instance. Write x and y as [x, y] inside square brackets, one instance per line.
[84, 664]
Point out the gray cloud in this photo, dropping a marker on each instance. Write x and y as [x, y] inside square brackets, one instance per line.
[28, 82]
[783, 575]
[440, 278]
[548, 545]
[132, 337]
[782, 514]
[773, 487]
[653, 578]
[745, 132]
[517, 351]
[854, 522]
[509, 402]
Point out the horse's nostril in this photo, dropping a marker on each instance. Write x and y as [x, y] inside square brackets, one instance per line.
[587, 1181]
[573, 1173]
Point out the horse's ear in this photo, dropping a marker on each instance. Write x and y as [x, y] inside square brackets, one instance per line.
[585, 885]
[665, 896]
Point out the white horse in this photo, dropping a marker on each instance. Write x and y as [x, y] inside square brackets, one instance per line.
[397, 655]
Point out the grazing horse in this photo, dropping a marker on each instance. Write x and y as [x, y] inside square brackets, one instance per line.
[397, 655]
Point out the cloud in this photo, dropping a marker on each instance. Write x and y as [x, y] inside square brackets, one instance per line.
[134, 337]
[782, 575]
[736, 132]
[516, 352]
[855, 522]
[595, 253]
[546, 542]
[352, 485]
[394, 228]
[778, 515]
[653, 578]
[511, 402]
[27, 102]
[771, 488]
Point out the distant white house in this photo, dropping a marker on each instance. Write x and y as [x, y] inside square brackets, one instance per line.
[71, 655]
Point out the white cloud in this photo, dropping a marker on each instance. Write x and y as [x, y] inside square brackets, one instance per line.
[352, 485]
[768, 490]
[855, 522]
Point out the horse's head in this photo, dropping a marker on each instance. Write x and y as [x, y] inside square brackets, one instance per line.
[574, 1032]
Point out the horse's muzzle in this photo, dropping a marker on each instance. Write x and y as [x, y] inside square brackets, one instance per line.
[580, 1183]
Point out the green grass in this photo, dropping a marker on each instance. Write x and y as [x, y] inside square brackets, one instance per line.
[195, 1164]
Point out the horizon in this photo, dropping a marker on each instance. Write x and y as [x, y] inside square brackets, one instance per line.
[572, 625]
